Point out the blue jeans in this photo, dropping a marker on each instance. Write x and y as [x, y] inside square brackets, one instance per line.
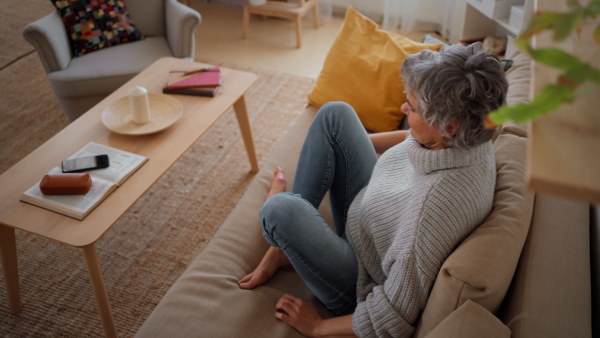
[338, 157]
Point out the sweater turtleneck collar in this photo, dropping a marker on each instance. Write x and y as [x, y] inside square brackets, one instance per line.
[427, 161]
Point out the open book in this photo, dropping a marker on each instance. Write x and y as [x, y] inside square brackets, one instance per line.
[104, 181]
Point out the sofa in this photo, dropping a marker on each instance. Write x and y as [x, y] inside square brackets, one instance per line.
[525, 272]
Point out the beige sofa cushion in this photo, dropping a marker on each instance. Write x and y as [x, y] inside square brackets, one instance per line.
[206, 300]
[362, 69]
[519, 82]
[470, 320]
[519, 78]
[550, 296]
[482, 266]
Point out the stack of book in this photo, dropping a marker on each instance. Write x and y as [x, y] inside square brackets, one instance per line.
[200, 82]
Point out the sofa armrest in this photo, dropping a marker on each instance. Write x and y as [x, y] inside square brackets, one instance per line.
[470, 320]
[181, 22]
[49, 37]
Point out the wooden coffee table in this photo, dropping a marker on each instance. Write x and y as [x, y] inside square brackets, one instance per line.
[162, 149]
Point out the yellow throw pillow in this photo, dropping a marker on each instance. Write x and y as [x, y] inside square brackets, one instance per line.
[363, 69]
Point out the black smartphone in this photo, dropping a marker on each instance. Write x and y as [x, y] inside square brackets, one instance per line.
[75, 165]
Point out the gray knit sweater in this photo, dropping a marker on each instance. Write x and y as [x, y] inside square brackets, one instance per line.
[419, 205]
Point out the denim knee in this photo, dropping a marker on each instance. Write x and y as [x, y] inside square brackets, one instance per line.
[276, 215]
[336, 108]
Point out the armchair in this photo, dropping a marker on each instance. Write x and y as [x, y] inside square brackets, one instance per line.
[81, 82]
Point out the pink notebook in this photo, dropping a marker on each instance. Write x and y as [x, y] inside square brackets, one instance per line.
[211, 78]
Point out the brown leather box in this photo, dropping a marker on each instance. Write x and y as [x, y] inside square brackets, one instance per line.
[66, 184]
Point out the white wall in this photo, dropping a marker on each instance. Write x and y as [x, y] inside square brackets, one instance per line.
[431, 14]
[371, 8]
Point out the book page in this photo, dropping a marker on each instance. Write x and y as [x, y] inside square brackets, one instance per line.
[122, 163]
[70, 205]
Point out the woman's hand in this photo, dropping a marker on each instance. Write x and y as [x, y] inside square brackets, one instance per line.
[300, 314]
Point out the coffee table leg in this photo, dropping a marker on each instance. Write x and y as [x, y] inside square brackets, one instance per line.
[8, 253]
[91, 259]
[242, 116]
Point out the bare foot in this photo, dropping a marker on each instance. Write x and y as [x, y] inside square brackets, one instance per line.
[278, 185]
[274, 259]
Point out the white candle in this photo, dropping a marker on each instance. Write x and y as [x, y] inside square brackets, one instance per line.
[140, 106]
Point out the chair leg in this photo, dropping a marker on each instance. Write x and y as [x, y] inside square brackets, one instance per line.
[298, 31]
[316, 14]
[246, 20]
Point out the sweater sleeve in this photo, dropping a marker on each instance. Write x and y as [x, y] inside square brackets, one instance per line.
[389, 309]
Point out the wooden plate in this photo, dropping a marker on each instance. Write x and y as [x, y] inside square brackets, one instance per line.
[164, 111]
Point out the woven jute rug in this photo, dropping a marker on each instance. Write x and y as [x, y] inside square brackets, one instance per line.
[14, 15]
[143, 254]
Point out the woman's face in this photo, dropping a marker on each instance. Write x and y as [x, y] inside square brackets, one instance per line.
[428, 136]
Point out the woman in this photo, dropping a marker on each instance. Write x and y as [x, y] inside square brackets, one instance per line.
[398, 217]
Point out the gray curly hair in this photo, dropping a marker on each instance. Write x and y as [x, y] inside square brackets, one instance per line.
[458, 82]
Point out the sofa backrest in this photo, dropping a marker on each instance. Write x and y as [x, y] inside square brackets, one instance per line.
[550, 295]
[528, 263]
[482, 266]
[148, 16]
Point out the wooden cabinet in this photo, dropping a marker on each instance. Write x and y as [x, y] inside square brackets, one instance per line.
[564, 149]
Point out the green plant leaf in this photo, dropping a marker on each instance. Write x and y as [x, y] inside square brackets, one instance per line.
[574, 68]
[523, 44]
[597, 35]
[584, 73]
[566, 23]
[555, 57]
[593, 9]
[562, 23]
[548, 100]
[539, 22]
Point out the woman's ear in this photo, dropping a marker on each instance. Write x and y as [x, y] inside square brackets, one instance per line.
[453, 127]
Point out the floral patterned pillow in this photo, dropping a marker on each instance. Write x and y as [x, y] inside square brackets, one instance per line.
[96, 24]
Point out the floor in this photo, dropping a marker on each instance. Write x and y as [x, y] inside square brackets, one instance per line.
[271, 42]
